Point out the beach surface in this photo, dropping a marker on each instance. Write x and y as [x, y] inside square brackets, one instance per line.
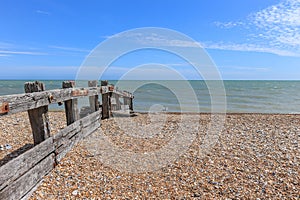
[255, 156]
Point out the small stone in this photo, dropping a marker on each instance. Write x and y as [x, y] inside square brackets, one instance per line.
[75, 193]
[8, 146]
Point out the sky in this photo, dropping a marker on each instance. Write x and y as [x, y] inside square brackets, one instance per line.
[247, 40]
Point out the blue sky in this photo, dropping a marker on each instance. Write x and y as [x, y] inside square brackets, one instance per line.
[249, 39]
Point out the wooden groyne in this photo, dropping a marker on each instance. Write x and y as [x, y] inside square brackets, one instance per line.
[20, 176]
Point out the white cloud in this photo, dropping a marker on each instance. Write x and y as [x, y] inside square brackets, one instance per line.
[42, 12]
[227, 24]
[73, 49]
[249, 48]
[9, 49]
[280, 24]
[275, 29]
[9, 52]
[251, 68]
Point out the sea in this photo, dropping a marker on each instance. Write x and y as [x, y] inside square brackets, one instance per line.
[237, 96]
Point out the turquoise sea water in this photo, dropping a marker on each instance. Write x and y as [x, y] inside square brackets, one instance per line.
[241, 96]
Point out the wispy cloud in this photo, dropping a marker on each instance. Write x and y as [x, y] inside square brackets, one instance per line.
[227, 24]
[251, 68]
[7, 52]
[256, 41]
[280, 24]
[73, 49]
[250, 48]
[275, 29]
[157, 40]
[42, 12]
[10, 49]
[4, 55]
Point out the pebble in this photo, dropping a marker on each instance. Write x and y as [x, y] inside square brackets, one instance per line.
[5, 147]
[75, 193]
[255, 158]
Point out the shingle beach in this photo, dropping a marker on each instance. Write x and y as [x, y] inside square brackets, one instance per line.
[256, 156]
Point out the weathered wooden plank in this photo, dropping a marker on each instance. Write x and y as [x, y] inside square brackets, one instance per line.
[94, 104]
[25, 183]
[68, 144]
[105, 100]
[131, 104]
[71, 108]
[86, 126]
[19, 165]
[23, 102]
[90, 118]
[62, 150]
[109, 88]
[67, 132]
[74, 128]
[38, 117]
[86, 131]
[64, 140]
[68, 137]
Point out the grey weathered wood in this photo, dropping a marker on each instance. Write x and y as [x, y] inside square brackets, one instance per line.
[131, 104]
[68, 143]
[105, 89]
[23, 102]
[68, 137]
[90, 118]
[118, 103]
[39, 119]
[26, 182]
[86, 131]
[71, 108]
[20, 176]
[76, 127]
[126, 101]
[18, 166]
[94, 104]
[66, 146]
[105, 102]
[67, 132]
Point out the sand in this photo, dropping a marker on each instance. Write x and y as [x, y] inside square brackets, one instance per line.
[255, 156]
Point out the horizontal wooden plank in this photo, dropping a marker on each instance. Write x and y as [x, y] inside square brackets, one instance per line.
[68, 144]
[21, 164]
[91, 118]
[25, 183]
[62, 150]
[69, 130]
[23, 102]
[68, 137]
[90, 129]
[109, 88]
[75, 127]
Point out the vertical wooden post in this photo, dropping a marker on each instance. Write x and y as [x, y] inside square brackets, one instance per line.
[105, 102]
[70, 105]
[118, 103]
[126, 101]
[131, 104]
[38, 117]
[94, 104]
